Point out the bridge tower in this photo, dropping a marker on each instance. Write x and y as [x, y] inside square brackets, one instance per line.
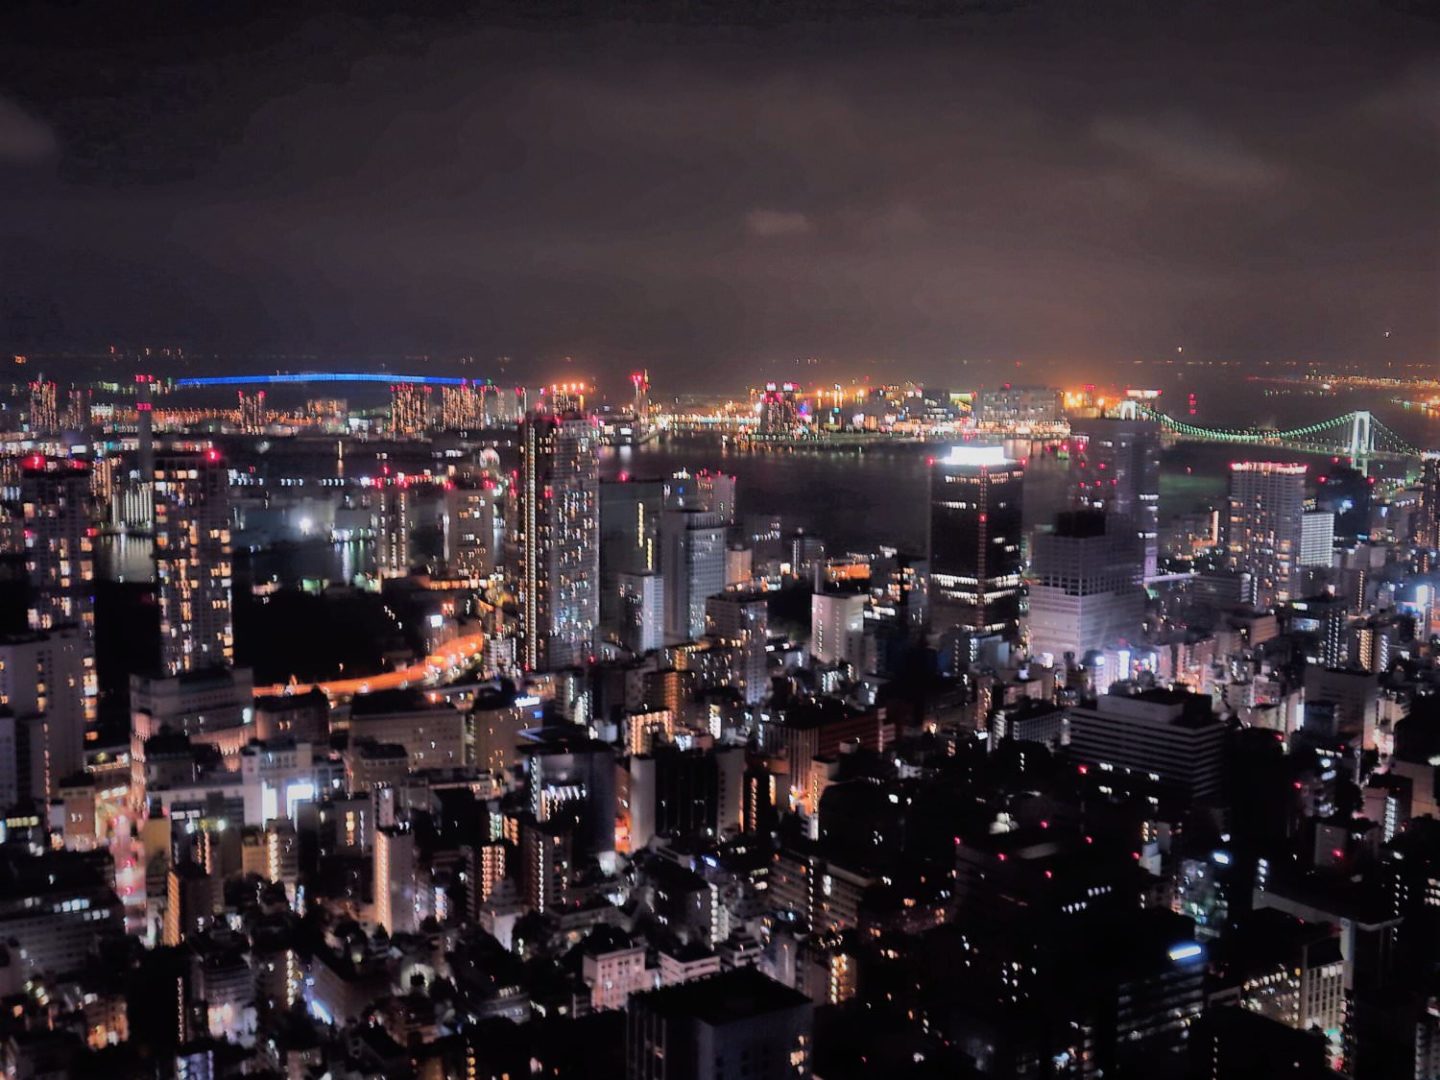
[1362, 440]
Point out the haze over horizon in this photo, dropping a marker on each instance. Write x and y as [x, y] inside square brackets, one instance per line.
[715, 195]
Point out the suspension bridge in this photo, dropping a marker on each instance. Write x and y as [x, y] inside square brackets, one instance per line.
[1358, 435]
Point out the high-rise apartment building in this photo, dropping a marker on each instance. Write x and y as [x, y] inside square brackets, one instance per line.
[1267, 500]
[251, 412]
[473, 526]
[1317, 538]
[43, 685]
[409, 409]
[693, 553]
[975, 533]
[59, 561]
[558, 526]
[837, 627]
[462, 408]
[192, 561]
[1085, 588]
[1115, 467]
[44, 406]
[395, 879]
[392, 527]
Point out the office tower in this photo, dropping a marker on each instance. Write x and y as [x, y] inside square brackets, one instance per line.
[44, 407]
[713, 492]
[43, 680]
[1085, 588]
[558, 527]
[1325, 617]
[251, 414]
[571, 778]
[392, 526]
[837, 627]
[975, 527]
[1427, 531]
[692, 561]
[409, 409]
[395, 879]
[900, 591]
[742, 620]
[1263, 527]
[473, 526]
[629, 539]
[738, 1023]
[641, 622]
[1317, 538]
[192, 561]
[1115, 467]
[1170, 734]
[1346, 492]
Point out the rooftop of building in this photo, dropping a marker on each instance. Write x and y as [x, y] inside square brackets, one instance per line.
[728, 998]
[388, 702]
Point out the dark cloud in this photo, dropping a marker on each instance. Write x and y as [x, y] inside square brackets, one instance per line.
[1041, 183]
[24, 140]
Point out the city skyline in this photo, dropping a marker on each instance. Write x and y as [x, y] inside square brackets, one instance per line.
[724, 541]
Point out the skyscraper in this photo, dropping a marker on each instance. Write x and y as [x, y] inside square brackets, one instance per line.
[59, 552]
[629, 540]
[251, 412]
[837, 627]
[43, 685]
[409, 409]
[1317, 538]
[392, 527]
[59, 560]
[473, 525]
[558, 525]
[742, 619]
[1427, 531]
[192, 561]
[395, 879]
[1085, 593]
[975, 527]
[692, 544]
[44, 406]
[641, 622]
[1264, 527]
[1115, 467]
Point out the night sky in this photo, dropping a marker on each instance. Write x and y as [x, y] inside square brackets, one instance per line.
[715, 190]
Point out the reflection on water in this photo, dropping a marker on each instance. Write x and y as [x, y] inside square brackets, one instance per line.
[851, 499]
[129, 558]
